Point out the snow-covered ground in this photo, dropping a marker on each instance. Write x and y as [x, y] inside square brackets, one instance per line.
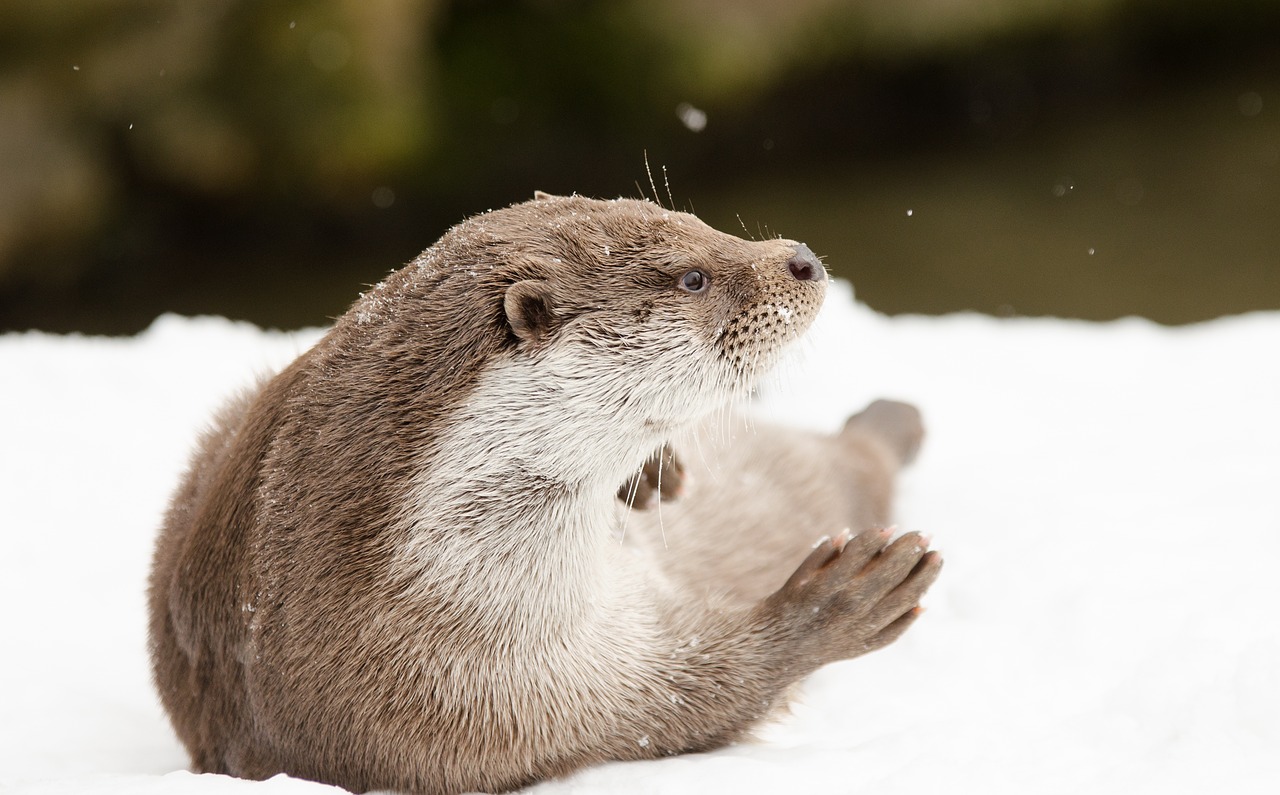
[1107, 497]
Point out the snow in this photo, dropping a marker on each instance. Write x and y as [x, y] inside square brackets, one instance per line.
[1107, 497]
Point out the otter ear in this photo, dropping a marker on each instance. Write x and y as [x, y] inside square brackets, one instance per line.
[541, 195]
[531, 312]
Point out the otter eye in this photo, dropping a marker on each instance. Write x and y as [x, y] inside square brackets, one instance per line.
[695, 281]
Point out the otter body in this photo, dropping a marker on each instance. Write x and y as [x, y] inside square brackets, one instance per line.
[402, 564]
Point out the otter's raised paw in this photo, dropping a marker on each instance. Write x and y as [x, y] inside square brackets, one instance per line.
[852, 596]
[661, 478]
[897, 423]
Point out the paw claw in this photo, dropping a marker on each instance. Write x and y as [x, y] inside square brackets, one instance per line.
[853, 595]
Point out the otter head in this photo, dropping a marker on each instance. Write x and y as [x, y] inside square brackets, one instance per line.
[617, 322]
[668, 317]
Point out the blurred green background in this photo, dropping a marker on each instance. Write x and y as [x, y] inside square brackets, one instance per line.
[265, 160]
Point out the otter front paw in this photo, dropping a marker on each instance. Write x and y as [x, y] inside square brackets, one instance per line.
[852, 596]
[661, 478]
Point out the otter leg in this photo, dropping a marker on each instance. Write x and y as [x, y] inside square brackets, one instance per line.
[661, 478]
[897, 424]
[848, 596]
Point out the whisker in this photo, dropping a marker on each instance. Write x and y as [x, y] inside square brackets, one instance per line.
[652, 184]
[661, 526]
[631, 503]
[696, 443]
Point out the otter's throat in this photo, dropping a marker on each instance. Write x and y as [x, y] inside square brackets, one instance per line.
[530, 474]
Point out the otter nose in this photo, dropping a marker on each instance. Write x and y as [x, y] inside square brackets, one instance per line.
[804, 266]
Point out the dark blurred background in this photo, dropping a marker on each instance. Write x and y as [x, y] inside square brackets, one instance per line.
[266, 160]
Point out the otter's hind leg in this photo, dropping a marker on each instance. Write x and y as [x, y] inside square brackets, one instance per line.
[897, 425]
[754, 502]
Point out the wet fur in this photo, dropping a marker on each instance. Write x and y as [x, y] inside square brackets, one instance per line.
[397, 564]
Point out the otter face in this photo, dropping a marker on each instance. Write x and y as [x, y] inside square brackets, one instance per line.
[670, 317]
[780, 310]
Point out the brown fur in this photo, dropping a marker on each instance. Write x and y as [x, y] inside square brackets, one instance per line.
[397, 563]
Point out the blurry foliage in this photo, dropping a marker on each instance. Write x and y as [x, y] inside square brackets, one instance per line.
[167, 146]
[113, 110]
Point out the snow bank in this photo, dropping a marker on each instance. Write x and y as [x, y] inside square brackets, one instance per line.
[1107, 497]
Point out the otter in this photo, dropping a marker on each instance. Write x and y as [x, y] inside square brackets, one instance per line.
[402, 562]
